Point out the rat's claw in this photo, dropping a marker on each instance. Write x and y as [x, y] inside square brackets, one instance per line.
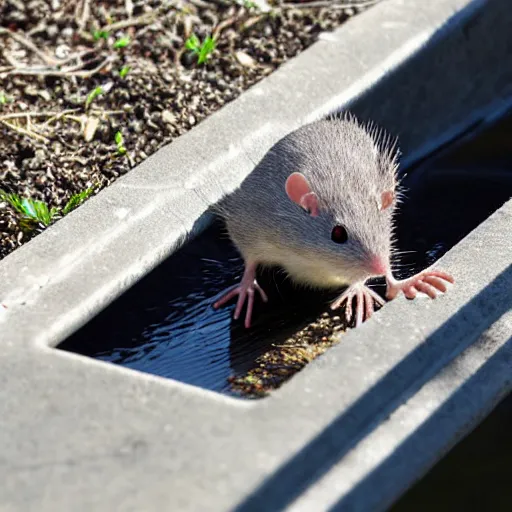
[244, 290]
[435, 282]
[231, 292]
[365, 299]
[428, 282]
[359, 307]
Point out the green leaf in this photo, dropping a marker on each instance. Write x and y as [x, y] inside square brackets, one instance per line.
[124, 71]
[13, 199]
[248, 4]
[118, 137]
[42, 213]
[100, 34]
[206, 48]
[122, 42]
[192, 43]
[32, 212]
[93, 95]
[76, 200]
[29, 207]
[3, 98]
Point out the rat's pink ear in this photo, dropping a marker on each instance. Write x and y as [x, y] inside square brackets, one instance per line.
[298, 190]
[386, 199]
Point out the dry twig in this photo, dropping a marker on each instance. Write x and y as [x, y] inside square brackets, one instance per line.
[24, 131]
[328, 3]
[19, 38]
[74, 71]
[82, 14]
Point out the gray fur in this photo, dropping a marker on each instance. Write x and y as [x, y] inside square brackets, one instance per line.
[348, 168]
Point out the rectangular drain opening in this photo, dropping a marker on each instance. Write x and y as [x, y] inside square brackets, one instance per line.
[165, 325]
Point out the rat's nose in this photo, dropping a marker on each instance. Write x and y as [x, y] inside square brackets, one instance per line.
[378, 266]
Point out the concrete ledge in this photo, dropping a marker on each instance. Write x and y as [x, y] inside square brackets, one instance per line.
[78, 434]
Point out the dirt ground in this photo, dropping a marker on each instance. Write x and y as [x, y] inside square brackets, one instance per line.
[90, 89]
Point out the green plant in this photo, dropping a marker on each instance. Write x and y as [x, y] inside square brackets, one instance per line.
[118, 137]
[100, 34]
[248, 4]
[76, 200]
[124, 71]
[32, 212]
[37, 213]
[3, 98]
[202, 50]
[122, 42]
[97, 91]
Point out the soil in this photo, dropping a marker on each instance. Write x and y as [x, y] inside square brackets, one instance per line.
[74, 73]
[277, 365]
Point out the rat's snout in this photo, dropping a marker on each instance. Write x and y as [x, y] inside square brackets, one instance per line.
[378, 265]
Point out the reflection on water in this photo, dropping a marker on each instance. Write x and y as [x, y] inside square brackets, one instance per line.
[165, 324]
[183, 335]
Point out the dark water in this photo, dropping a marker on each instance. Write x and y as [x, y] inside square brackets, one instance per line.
[165, 324]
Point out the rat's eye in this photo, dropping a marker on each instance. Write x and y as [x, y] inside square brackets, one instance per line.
[339, 234]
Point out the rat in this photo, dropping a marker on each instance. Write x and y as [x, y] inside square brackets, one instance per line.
[320, 205]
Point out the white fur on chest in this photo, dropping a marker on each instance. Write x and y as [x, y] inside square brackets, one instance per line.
[302, 267]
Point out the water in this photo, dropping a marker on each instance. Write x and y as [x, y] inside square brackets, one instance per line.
[165, 324]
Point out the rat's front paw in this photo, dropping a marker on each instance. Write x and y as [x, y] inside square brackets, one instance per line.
[365, 299]
[427, 281]
[244, 290]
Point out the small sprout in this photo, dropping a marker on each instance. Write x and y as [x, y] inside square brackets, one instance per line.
[97, 91]
[202, 50]
[124, 71]
[118, 137]
[248, 4]
[122, 42]
[37, 213]
[193, 43]
[100, 34]
[32, 212]
[76, 200]
[206, 48]
[3, 98]
[258, 5]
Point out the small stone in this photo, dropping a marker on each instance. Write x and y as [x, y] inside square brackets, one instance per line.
[30, 90]
[68, 32]
[43, 93]
[245, 59]
[62, 51]
[91, 126]
[52, 31]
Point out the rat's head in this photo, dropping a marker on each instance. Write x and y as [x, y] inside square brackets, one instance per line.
[343, 193]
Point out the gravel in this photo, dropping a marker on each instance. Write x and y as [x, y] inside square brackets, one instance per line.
[277, 365]
[70, 80]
